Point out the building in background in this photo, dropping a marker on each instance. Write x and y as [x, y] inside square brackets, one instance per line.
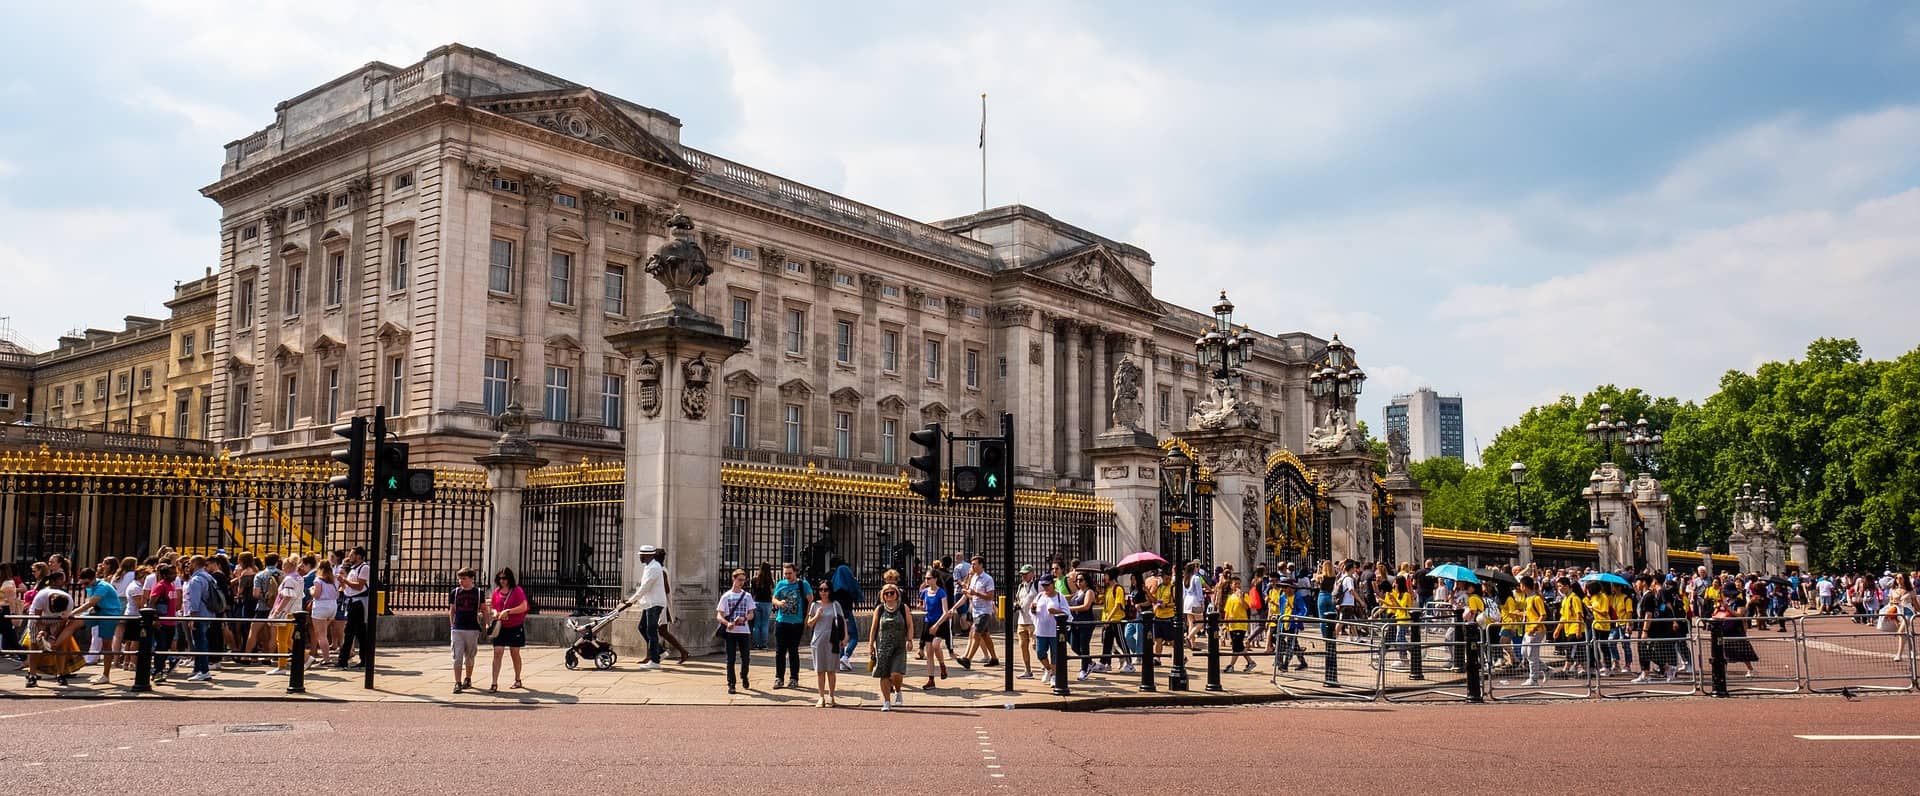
[1432, 423]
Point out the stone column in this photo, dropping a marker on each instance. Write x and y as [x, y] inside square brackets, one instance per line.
[1602, 538]
[593, 302]
[1652, 505]
[1706, 556]
[1100, 381]
[1522, 544]
[1237, 458]
[1075, 457]
[1126, 470]
[508, 464]
[1347, 480]
[1607, 494]
[533, 293]
[1797, 547]
[674, 435]
[1045, 400]
[1148, 352]
[1409, 517]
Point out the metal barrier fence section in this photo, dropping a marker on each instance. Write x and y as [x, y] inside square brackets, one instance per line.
[1342, 660]
[1756, 660]
[874, 524]
[1840, 653]
[571, 536]
[1550, 659]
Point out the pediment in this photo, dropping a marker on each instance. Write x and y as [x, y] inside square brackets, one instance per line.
[847, 396]
[796, 388]
[327, 345]
[892, 405]
[391, 332]
[286, 352]
[743, 379]
[1094, 269]
[564, 342]
[934, 412]
[974, 418]
[587, 115]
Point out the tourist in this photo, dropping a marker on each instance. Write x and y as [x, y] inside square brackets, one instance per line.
[1398, 602]
[1235, 616]
[891, 626]
[463, 622]
[1117, 628]
[1079, 635]
[1733, 632]
[1023, 596]
[11, 608]
[828, 627]
[1570, 632]
[355, 600]
[666, 624]
[204, 600]
[1165, 611]
[1533, 611]
[762, 590]
[789, 599]
[735, 614]
[650, 596]
[1046, 607]
[245, 599]
[1905, 605]
[936, 628]
[59, 654]
[508, 606]
[288, 597]
[1656, 620]
[980, 593]
[1194, 599]
[98, 596]
[266, 589]
[846, 592]
[326, 608]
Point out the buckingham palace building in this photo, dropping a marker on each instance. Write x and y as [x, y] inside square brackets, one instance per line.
[451, 236]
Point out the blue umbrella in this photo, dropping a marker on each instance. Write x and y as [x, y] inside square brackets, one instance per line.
[1453, 572]
[1606, 577]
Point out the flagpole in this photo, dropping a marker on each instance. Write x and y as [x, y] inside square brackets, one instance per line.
[983, 152]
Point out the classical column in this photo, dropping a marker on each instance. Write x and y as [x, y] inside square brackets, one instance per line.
[1076, 457]
[1346, 478]
[533, 294]
[593, 304]
[1148, 352]
[819, 345]
[359, 191]
[1101, 382]
[674, 435]
[1237, 458]
[1409, 516]
[1047, 391]
[1797, 547]
[267, 314]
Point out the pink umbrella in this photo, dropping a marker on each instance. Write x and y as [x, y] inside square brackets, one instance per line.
[1140, 562]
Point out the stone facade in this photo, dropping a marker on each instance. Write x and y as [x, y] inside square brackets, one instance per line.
[428, 237]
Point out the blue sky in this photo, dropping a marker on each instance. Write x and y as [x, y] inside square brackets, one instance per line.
[1505, 200]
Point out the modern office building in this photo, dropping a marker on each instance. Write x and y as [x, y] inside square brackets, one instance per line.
[1431, 421]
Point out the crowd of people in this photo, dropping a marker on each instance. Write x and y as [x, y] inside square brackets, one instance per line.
[58, 617]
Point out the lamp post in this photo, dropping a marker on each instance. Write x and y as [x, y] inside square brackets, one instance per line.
[1176, 498]
[1517, 472]
[1644, 447]
[1606, 430]
[1338, 378]
[1220, 348]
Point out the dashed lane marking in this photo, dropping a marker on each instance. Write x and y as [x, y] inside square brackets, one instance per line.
[1858, 737]
[88, 706]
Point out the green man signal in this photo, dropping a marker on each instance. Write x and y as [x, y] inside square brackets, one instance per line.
[988, 479]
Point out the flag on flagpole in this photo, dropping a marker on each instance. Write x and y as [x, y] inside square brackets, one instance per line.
[983, 121]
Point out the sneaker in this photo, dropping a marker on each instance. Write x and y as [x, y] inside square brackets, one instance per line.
[1670, 675]
[649, 665]
[1606, 673]
[277, 673]
[1026, 676]
[1083, 676]
[845, 665]
[1642, 678]
[884, 707]
[100, 679]
[730, 690]
[1127, 667]
[898, 699]
[1250, 667]
[779, 683]
[200, 677]
[964, 663]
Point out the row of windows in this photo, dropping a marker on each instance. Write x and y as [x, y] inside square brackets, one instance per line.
[557, 395]
[330, 400]
[401, 182]
[122, 382]
[334, 287]
[795, 340]
[501, 263]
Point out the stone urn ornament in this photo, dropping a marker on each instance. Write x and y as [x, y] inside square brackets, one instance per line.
[680, 265]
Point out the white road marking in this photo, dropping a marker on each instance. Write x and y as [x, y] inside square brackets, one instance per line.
[1858, 737]
[88, 706]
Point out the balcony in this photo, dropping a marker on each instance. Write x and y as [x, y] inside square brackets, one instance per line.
[83, 439]
[477, 424]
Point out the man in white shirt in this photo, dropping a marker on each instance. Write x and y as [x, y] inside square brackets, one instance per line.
[979, 592]
[354, 597]
[650, 596]
[1023, 615]
[1045, 606]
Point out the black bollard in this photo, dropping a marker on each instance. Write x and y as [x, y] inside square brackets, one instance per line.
[1063, 632]
[1146, 653]
[143, 658]
[297, 655]
[1327, 635]
[1417, 669]
[1213, 651]
[1471, 650]
[1717, 653]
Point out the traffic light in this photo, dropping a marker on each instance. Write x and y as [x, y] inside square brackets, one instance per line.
[988, 479]
[928, 463]
[390, 470]
[354, 456]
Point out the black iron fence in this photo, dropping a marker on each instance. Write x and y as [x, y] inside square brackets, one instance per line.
[812, 518]
[571, 536]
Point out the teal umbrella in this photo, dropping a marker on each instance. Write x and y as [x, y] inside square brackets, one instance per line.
[1606, 577]
[1453, 572]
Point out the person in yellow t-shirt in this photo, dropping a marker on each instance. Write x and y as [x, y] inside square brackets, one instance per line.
[1600, 608]
[1534, 633]
[1398, 602]
[1233, 616]
[1113, 627]
[1622, 611]
[1572, 630]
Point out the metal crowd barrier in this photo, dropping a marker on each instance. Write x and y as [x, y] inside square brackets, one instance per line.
[1740, 659]
[1343, 660]
[1541, 665]
[1654, 644]
[140, 631]
[1838, 654]
[1441, 664]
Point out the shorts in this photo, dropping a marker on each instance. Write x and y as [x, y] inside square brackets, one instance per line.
[465, 644]
[1239, 638]
[985, 624]
[103, 628]
[1044, 645]
[945, 633]
[1025, 633]
[511, 637]
[325, 611]
[1164, 630]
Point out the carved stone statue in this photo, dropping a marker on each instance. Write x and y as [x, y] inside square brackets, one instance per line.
[512, 424]
[1222, 409]
[1091, 275]
[1126, 393]
[646, 373]
[680, 265]
[1398, 451]
[693, 395]
[1339, 436]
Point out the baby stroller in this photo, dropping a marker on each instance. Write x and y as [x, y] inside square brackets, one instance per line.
[587, 643]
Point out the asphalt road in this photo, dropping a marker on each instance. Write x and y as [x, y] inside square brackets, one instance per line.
[1611, 746]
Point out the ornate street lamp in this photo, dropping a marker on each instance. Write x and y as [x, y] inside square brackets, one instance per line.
[1177, 492]
[1606, 430]
[1338, 377]
[1517, 472]
[1644, 448]
[1220, 348]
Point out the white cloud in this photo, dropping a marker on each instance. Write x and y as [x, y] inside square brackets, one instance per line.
[79, 277]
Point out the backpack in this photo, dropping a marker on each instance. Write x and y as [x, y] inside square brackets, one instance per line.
[215, 599]
[1254, 601]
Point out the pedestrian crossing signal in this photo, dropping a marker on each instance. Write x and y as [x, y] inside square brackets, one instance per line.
[988, 479]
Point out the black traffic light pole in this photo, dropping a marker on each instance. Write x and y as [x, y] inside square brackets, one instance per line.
[373, 545]
[1006, 530]
[988, 480]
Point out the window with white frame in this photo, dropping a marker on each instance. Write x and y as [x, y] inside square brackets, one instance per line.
[396, 385]
[973, 368]
[843, 342]
[120, 383]
[6, 400]
[333, 394]
[843, 434]
[242, 409]
[566, 200]
[736, 422]
[295, 289]
[400, 271]
[186, 344]
[559, 397]
[793, 428]
[890, 351]
[249, 232]
[336, 278]
[611, 387]
[1166, 406]
[796, 331]
[560, 278]
[742, 318]
[796, 267]
[500, 266]
[503, 184]
[616, 289]
[933, 359]
[494, 382]
[742, 253]
[843, 280]
[181, 405]
[243, 304]
[889, 441]
[339, 201]
[890, 291]
[146, 378]
[289, 400]
[403, 181]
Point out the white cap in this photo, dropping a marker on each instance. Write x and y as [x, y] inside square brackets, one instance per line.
[647, 550]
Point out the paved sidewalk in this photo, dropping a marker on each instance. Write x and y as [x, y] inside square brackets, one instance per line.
[417, 674]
